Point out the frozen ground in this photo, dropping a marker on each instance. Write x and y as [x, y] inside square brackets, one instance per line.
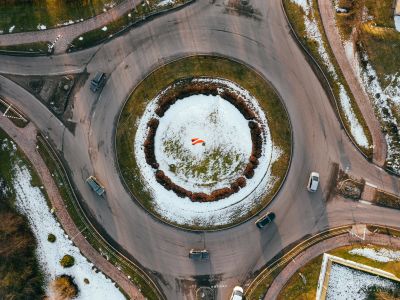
[397, 23]
[183, 210]
[350, 284]
[381, 255]
[313, 32]
[31, 202]
[385, 99]
[226, 149]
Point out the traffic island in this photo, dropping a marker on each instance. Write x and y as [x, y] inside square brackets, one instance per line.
[203, 143]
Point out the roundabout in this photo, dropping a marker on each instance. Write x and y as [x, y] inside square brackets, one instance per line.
[205, 151]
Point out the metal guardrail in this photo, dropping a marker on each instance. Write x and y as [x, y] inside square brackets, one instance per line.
[302, 246]
[122, 259]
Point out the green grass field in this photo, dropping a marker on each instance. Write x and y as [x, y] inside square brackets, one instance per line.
[27, 15]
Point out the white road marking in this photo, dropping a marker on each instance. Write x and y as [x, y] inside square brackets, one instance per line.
[371, 185]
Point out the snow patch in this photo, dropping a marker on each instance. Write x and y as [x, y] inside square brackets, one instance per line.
[347, 283]
[381, 255]
[166, 2]
[397, 23]
[11, 29]
[31, 202]
[41, 27]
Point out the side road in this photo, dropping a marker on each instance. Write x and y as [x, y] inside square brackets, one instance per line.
[325, 246]
[327, 13]
[69, 32]
[25, 139]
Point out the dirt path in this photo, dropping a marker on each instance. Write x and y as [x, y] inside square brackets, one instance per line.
[69, 32]
[343, 240]
[26, 140]
[328, 19]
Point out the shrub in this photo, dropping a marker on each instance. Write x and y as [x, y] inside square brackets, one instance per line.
[65, 287]
[67, 261]
[51, 238]
[86, 281]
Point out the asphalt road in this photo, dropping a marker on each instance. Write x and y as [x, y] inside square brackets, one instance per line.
[263, 42]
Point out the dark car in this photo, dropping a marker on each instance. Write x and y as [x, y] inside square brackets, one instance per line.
[199, 254]
[265, 219]
[98, 82]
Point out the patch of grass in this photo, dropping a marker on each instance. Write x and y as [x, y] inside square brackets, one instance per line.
[296, 16]
[196, 66]
[20, 274]
[81, 223]
[27, 15]
[296, 288]
[391, 267]
[388, 200]
[37, 47]
[98, 35]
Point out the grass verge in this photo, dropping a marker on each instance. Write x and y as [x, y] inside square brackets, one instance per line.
[20, 16]
[21, 276]
[387, 200]
[37, 48]
[297, 289]
[83, 224]
[297, 17]
[135, 16]
[196, 66]
[258, 288]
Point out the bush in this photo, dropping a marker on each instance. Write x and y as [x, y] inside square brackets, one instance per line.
[51, 238]
[65, 287]
[67, 261]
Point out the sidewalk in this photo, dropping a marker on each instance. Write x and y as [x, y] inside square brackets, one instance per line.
[327, 13]
[25, 139]
[68, 33]
[342, 240]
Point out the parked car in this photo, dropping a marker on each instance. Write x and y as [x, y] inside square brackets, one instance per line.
[237, 293]
[265, 219]
[313, 182]
[97, 82]
[199, 254]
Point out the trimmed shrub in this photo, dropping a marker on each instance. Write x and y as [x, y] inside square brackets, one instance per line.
[67, 261]
[51, 238]
[65, 287]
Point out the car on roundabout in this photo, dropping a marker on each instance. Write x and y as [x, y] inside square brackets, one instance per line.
[237, 293]
[265, 219]
[199, 255]
[313, 182]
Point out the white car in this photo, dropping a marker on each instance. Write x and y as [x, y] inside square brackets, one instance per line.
[313, 182]
[237, 293]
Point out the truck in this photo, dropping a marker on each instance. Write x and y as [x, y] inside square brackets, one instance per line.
[95, 185]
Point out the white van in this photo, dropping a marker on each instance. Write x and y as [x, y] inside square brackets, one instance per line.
[313, 182]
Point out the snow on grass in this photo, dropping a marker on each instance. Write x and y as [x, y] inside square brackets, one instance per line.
[166, 2]
[314, 33]
[397, 23]
[381, 255]
[31, 202]
[11, 29]
[347, 283]
[41, 27]
[356, 129]
[225, 153]
[183, 210]
[385, 99]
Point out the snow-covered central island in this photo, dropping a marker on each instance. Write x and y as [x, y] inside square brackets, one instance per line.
[203, 143]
